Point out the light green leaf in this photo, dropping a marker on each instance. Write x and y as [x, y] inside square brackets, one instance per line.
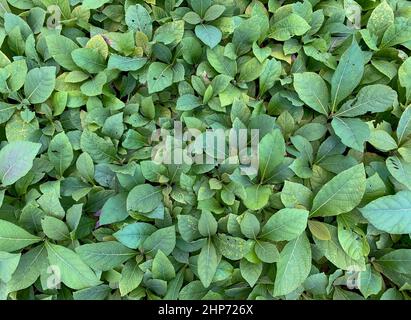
[271, 153]
[138, 19]
[125, 63]
[159, 77]
[162, 267]
[250, 271]
[311, 88]
[380, 19]
[131, 277]
[55, 228]
[13, 237]
[291, 25]
[373, 98]
[98, 148]
[210, 35]
[170, 32]
[397, 260]
[144, 198]
[370, 282]
[60, 49]
[207, 263]
[16, 160]
[353, 132]
[60, 153]
[74, 273]
[404, 76]
[31, 264]
[39, 84]
[207, 224]
[163, 239]
[341, 194]
[89, 60]
[293, 266]
[404, 125]
[8, 264]
[348, 74]
[391, 213]
[285, 224]
[134, 234]
[333, 251]
[257, 196]
[104, 255]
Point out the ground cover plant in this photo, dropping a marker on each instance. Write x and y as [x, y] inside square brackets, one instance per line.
[322, 208]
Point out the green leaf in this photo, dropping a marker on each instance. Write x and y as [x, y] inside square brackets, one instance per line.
[8, 264]
[233, 248]
[353, 132]
[188, 102]
[207, 224]
[159, 77]
[55, 229]
[348, 74]
[400, 170]
[214, 12]
[294, 195]
[131, 277]
[249, 225]
[267, 252]
[293, 266]
[257, 197]
[207, 263]
[397, 260]
[221, 63]
[104, 255]
[170, 32]
[138, 19]
[271, 154]
[39, 84]
[60, 153]
[208, 34]
[341, 194]
[391, 213]
[373, 98]
[163, 239]
[16, 160]
[94, 293]
[250, 271]
[94, 4]
[291, 25]
[31, 265]
[404, 74]
[334, 253]
[319, 230]
[285, 224]
[270, 75]
[13, 237]
[370, 282]
[162, 267]
[404, 126]
[380, 19]
[125, 63]
[144, 198]
[89, 60]
[74, 273]
[133, 235]
[98, 148]
[60, 49]
[312, 89]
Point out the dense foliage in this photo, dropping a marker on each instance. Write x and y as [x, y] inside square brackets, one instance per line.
[83, 86]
